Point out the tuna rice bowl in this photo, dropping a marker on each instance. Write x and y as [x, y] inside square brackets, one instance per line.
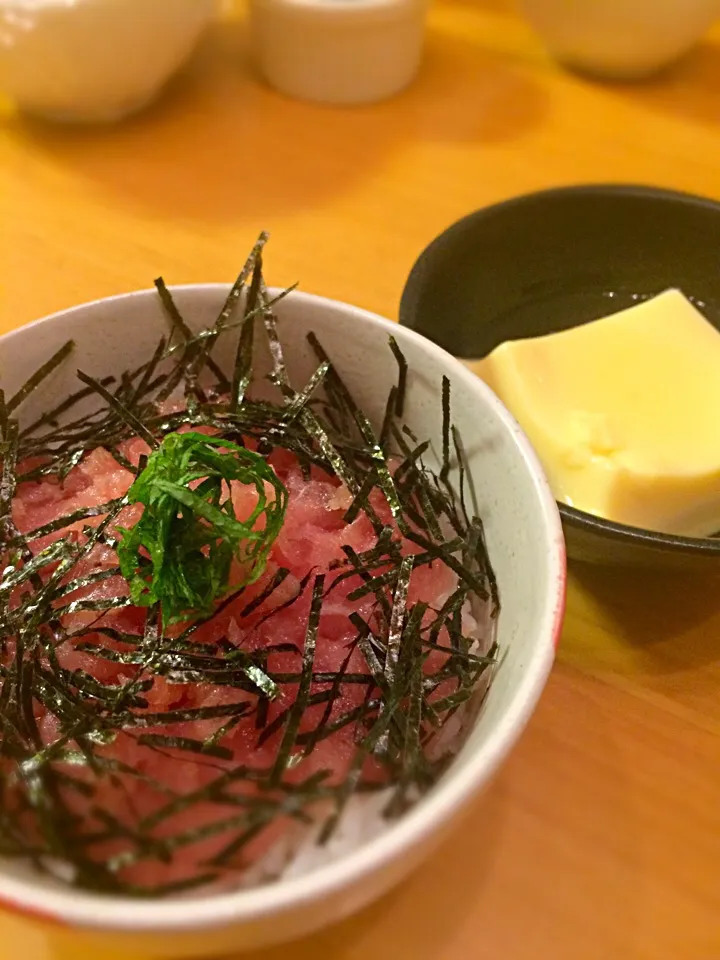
[244, 628]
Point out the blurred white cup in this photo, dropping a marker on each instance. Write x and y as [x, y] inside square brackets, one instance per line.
[620, 39]
[338, 51]
[93, 61]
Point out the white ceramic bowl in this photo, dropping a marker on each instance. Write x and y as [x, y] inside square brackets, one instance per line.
[94, 61]
[525, 543]
[620, 39]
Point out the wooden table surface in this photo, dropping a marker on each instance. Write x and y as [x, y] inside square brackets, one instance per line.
[600, 839]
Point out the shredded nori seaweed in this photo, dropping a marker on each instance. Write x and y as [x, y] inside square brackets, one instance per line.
[405, 703]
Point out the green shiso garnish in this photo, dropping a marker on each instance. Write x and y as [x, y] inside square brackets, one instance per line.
[187, 559]
[180, 553]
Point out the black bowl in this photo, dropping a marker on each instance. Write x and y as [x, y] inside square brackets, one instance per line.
[553, 260]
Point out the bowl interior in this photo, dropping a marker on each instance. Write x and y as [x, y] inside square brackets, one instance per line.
[522, 528]
[554, 260]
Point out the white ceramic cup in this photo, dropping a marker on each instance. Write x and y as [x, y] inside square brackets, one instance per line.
[94, 61]
[525, 543]
[338, 51]
[620, 39]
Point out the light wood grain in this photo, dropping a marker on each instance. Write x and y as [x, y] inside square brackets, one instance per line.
[601, 837]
